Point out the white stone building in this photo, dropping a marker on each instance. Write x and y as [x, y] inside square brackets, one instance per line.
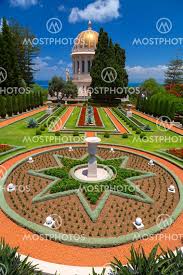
[82, 55]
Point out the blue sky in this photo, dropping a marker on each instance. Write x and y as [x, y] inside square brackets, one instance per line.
[124, 20]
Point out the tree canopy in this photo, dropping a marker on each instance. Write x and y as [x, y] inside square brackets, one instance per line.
[108, 55]
[174, 73]
[60, 88]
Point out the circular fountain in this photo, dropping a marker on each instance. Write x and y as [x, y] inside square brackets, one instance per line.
[92, 172]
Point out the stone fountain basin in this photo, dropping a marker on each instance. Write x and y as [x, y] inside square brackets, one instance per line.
[80, 173]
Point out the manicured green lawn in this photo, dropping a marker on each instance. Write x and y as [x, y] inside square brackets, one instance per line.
[19, 134]
[106, 120]
[72, 121]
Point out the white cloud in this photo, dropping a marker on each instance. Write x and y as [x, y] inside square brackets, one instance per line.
[61, 62]
[1, 24]
[99, 11]
[61, 8]
[140, 73]
[47, 58]
[23, 3]
[45, 71]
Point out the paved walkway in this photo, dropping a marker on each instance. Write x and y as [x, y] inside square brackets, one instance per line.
[20, 117]
[90, 134]
[63, 119]
[115, 121]
[54, 252]
[166, 125]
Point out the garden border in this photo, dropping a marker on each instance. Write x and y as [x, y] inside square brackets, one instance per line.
[15, 148]
[94, 242]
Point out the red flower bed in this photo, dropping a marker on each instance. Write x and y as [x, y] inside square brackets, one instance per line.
[98, 121]
[176, 152]
[82, 117]
[4, 148]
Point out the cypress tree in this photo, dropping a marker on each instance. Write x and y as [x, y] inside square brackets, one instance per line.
[9, 106]
[108, 55]
[31, 100]
[20, 103]
[41, 99]
[28, 105]
[15, 104]
[24, 102]
[9, 61]
[3, 106]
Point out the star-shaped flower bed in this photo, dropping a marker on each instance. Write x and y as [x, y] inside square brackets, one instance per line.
[92, 193]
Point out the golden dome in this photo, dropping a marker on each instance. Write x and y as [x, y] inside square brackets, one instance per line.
[86, 40]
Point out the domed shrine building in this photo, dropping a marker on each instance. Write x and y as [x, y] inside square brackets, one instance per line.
[82, 55]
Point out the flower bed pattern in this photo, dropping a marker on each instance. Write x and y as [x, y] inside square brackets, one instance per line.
[176, 152]
[83, 119]
[132, 121]
[118, 213]
[98, 121]
[4, 148]
[81, 122]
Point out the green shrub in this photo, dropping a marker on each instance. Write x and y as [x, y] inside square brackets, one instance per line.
[42, 128]
[11, 260]
[32, 123]
[102, 273]
[75, 134]
[168, 263]
[106, 135]
[38, 132]
[147, 128]
[138, 132]
[134, 128]
[143, 136]
[125, 135]
[57, 134]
